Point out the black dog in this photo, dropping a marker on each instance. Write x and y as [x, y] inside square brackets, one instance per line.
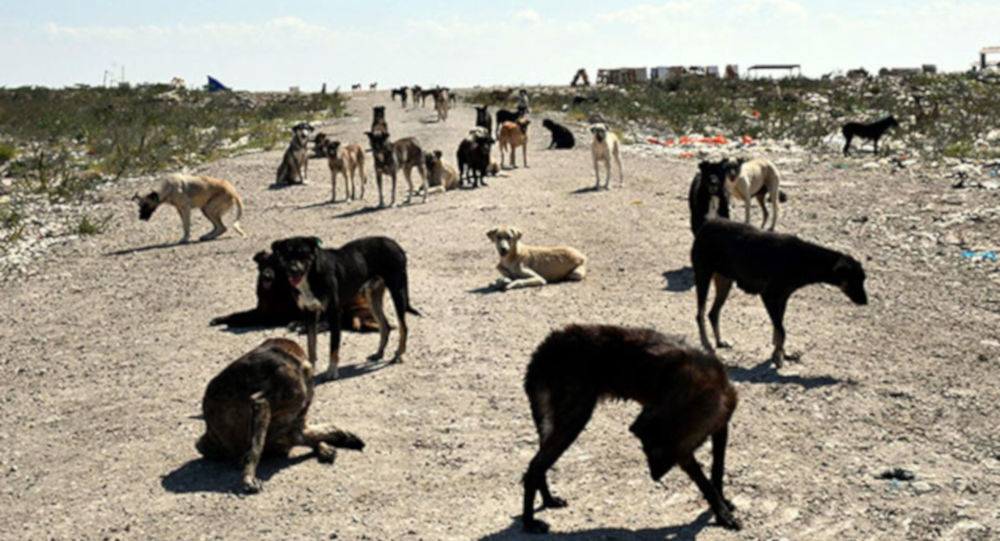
[768, 264]
[474, 154]
[708, 196]
[873, 132]
[324, 278]
[401, 92]
[276, 304]
[505, 115]
[378, 120]
[685, 396]
[561, 136]
[483, 119]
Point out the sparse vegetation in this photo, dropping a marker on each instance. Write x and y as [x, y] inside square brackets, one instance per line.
[92, 226]
[940, 115]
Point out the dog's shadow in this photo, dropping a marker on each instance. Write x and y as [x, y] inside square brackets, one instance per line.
[679, 280]
[355, 370]
[765, 373]
[203, 475]
[360, 211]
[486, 290]
[586, 189]
[672, 533]
[151, 247]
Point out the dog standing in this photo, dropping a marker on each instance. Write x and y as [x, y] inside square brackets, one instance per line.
[257, 407]
[513, 135]
[441, 104]
[408, 155]
[873, 132]
[385, 162]
[322, 278]
[347, 160]
[213, 196]
[604, 147]
[755, 178]
[294, 168]
[684, 392]
[401, 92]
[561, 136]
[483, 119]
[768, 264]
[474, 154]
[505, 115]
[378, 119]
[529, 266]
[708, 196]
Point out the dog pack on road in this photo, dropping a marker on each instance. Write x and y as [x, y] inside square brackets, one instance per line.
[257, 405]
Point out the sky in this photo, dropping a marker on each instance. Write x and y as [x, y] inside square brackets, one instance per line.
[253, 45]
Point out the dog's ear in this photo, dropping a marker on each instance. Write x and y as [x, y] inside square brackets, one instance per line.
[593, 129]
[515, 233]
[492, 234]
[316, 242]
[438, 154]
[261, 256]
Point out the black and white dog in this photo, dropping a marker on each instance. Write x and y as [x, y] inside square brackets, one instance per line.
[708, 196]
[323, 279]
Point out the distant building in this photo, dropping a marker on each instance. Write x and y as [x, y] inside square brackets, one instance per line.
[622, 76]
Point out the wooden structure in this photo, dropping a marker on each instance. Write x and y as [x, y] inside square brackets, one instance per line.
[793, 70]
[982, 55]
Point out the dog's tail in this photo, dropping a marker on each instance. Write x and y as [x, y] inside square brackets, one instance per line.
[239, 214]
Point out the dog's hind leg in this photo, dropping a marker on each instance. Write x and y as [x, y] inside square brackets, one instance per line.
[324, 438]
[702, 281]
[218, 227]
[398, 291]
[760, 201]
[621, 174]
[579, 273]
[424, 185]
[775, 304]
[570, 416]
[258, 433]
[375, 295]
[378, 180]
[719, 441]
[722, 287]
[311, 330]
[847, 142]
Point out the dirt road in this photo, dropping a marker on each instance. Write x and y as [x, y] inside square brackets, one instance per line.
[105, 352]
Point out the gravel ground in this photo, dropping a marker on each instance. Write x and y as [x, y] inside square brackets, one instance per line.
[105, 351]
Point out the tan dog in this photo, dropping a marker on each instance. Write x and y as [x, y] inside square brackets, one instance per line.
[755, 178]
[441, 175]
[257, 406]
[213, 196]
[513, 135]
[350, 159]
[604, 147]
[294, 168]
[441, 104]
[528, 266]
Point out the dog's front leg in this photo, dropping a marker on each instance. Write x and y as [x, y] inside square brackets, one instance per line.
[529, 278]
[261, 418]
[185, 213]
[607, 173]
[333, 321]
[378, 180]
[597, 176]
[775, 304]
[311, 330]
[702, 284]
[621, 174]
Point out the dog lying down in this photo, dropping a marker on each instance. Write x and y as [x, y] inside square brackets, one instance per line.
[684, 392]
[768, 264]
[257, 407]
[527, 266]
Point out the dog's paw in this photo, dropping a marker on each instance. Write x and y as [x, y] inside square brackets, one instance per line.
[727, 520]
[325, 453]
[252, 485]
[555, 503]
[793, 357]
[722, 344]
[375, 357]
[397, 358]
[536, 526]
[729, 504]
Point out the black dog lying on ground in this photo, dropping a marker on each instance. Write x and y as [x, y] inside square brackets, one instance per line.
[276, 304]
[768, 264]
[684, 391]
[561, 136]
[323, 278]
[872, 132]
[708, 196]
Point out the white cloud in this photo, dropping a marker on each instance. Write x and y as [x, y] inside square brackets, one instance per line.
[528, 15]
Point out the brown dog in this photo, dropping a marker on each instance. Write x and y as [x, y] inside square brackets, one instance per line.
[513, 135]
[528, 266]
[257, 406]
[409, 155]
[441, 175]
[350, 159]
[684, 392]
[213, 196]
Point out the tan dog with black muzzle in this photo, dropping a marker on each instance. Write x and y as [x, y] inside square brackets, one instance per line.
[530, 266]
[213, 196]
[604, 147]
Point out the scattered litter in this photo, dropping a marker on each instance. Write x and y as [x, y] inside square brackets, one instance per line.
[897, 474]
[982, 256]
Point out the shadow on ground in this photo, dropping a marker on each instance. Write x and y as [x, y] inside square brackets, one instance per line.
[670, 533]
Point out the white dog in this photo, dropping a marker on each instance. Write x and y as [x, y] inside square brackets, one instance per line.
[755, 178]
[603, 148]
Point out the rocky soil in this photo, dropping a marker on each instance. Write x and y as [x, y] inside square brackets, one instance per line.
[105, 351]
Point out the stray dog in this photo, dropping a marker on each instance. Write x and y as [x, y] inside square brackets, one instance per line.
[322, 277]
[768, 264]
[408, 155]
[416, 92]
[378, 119]
[561, 136]
[513, 135]
[474, 154]
[276, 304]
[441, 104]
[294, 166]
[483, 119]
[873, 132]
[385, 162]
[356, 86]
[441, 175]
[684, 392]
[349, 159]
[401, 92]
[319, 145]
[257, 406]
[530, 266]
[755, 178]
[505, 115]
[708, 196]
[602, 149]
[424, 94]
[372, 86]
[213, 196]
